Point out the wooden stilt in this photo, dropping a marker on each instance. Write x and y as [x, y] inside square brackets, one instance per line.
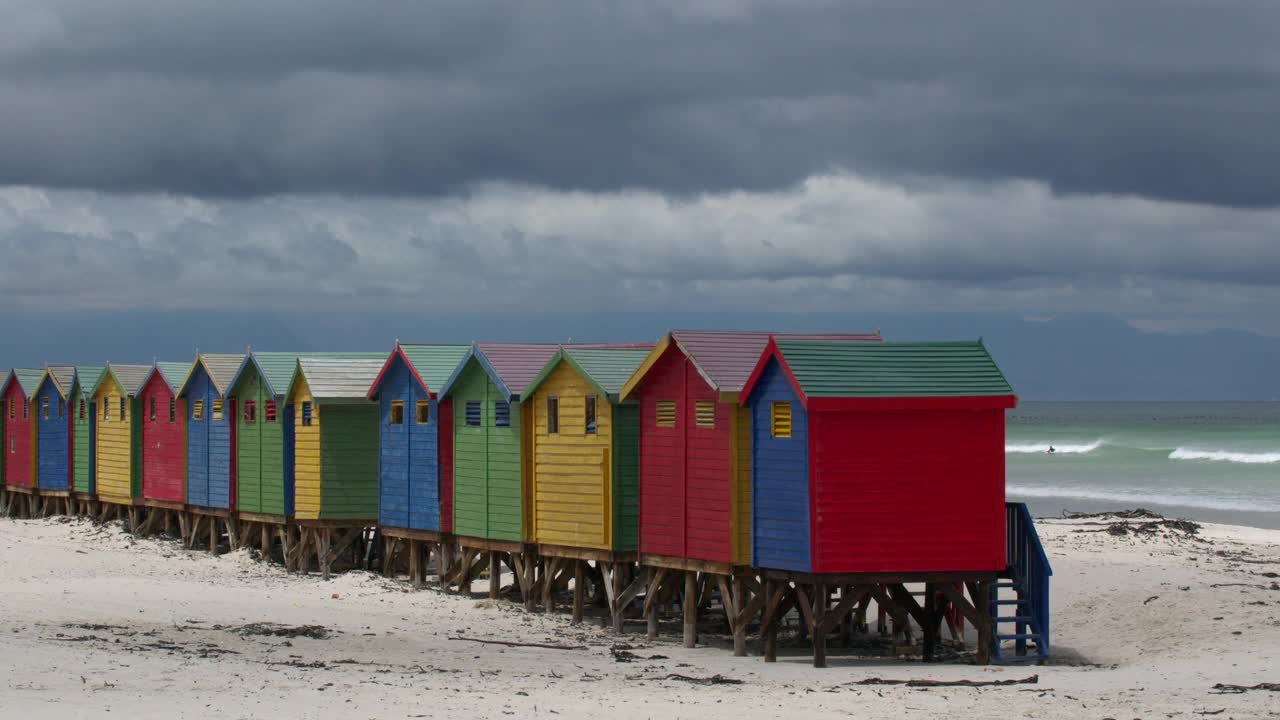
[579, 590]
[817, 624]
[690, 608]
[495, 575]
[738, 623]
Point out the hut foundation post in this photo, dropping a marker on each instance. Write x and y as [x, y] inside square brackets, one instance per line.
[548, 585]
[495, 575]
[579, 592]
[233, 533]
[264, 542]
[769, 623]
[817, 624]
[213, 536]
[168, 525]
[740, 617]
[690, 608]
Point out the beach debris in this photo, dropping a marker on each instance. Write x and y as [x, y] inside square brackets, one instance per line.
[1149, 528]
[315, 632]
[1211, 712]
[1148, 600]
[1029, 680]
[505, 643]
[716, 679]
[622, 653]
[1135, 514]
[1226, 689]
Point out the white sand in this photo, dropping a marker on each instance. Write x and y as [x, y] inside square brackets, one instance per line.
[1117, 654]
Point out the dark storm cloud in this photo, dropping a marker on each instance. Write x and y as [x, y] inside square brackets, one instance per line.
[1171, 100]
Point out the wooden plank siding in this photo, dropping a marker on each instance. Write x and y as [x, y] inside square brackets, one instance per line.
[692, 478]
[210, 458]
[444, 434]
[82, 427]
[780, 479]
[261, 450]
[349, 462]
[944, 467]
[114, 446]
[163, 442]
[52, 460]
[572, 488]
[487, 489]
[306, 458]
[19, 437]
[408, 461]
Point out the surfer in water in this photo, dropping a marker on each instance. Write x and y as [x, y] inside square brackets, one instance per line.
[1051, 450]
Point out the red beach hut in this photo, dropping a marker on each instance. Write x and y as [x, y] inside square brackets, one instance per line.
[163, 437]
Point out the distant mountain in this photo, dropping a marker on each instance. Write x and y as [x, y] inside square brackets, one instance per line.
[1071, 357]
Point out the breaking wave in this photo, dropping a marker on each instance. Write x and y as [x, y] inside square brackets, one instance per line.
[1137, 498]
[1063, 448]
[1248, 458]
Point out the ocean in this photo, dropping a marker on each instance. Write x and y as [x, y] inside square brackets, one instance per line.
[1216, 462]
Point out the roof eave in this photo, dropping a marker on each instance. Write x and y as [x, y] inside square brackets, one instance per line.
[649, 361]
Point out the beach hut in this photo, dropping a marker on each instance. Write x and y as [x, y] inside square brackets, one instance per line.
[412, 443]
[118, 440]
[81, 427]
[163, 448]
[695, 463]
[876, 465]
[211, 448]
[490, 458]
[52, 460]
[18, 393]
[335, 438]
[583, 494]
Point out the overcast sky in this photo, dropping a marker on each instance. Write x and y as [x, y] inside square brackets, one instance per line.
[1040, 158]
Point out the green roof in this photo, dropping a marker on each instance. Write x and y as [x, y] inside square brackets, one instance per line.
[28, 379]
[87, 376]
[607, 369]
[173, 373]
[862, 369]
[278, 367]
[435, 363]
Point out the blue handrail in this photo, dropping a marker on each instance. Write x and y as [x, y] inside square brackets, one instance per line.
[1029, 565]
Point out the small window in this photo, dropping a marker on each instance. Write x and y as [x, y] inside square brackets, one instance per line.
[705, 414]
[173, 409]
[44, 408]
[106, 409]
[10, 404]
[124, 408]
[591, 414]
[62, 408]
[306, 414]
[422, 412]
[780, 419]
[473, 413]
[269, 411]
[26, 409]
[82, 408]
[151, 412]
[197, 410]
[250, 412]
[215, 411]
[666, 414]
[553, 415]
[397, 413]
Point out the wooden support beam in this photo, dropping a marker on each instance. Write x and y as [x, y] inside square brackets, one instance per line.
[579, 590]
[818, 624]
[690, 608]
[495, 574]
[739, 619]
[650, 601]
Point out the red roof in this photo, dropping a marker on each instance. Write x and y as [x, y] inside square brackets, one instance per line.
[517, 364]
[726, 358]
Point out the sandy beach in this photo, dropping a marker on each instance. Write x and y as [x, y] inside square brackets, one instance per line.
[95, 621]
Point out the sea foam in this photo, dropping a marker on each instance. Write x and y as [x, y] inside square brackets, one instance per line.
[1248, 458]
[1136, 498]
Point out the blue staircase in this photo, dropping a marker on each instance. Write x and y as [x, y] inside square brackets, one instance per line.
[1020, 598]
